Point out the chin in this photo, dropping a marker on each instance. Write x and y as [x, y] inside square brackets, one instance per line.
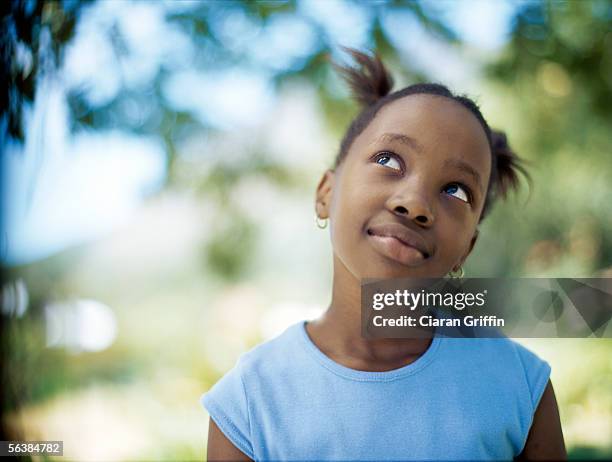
[393, 271]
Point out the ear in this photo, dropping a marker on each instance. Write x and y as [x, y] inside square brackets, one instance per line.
[469, 251]
[324, 193]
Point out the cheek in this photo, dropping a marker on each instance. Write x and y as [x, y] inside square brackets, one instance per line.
[352, 198]
[458, 246]
[454, 236]
[347, 214]
[351, 208]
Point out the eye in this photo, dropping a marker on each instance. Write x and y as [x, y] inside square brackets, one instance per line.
[459, 191]
[386, 159]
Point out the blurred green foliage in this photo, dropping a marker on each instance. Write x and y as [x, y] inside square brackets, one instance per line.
[555, 78]
[32, 37]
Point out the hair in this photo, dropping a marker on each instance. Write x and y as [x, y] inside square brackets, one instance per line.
[371, 83]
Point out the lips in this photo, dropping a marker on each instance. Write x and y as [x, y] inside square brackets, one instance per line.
[405, 240]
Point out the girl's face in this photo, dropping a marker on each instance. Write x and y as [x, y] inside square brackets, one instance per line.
[419, 171]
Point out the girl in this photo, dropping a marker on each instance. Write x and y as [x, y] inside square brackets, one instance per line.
[420, 163]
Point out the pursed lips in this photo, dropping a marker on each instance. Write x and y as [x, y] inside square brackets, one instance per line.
[406, 236]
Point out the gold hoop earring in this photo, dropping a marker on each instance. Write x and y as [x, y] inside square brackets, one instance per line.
[324, 225]
[454, 275]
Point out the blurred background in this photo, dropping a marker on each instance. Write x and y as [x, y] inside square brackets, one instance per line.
[159, 162]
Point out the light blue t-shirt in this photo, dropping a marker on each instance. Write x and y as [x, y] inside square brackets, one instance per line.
[463, 399]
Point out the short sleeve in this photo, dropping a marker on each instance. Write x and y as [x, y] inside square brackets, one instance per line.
[227, 405]
[537, 373]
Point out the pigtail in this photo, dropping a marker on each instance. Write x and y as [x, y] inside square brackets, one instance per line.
[506, 169]
[369, 81]
[507, 165]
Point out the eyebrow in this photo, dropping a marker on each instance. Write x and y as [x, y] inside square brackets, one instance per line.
[403, 139]
[466, 168]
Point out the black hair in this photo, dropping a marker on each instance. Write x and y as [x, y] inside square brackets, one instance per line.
[371, 85]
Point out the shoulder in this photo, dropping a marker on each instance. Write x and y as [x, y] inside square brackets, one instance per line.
[536, 371]
[229, 402]
[273, 353]
[509, 361]
[497, 344]
[264, 357]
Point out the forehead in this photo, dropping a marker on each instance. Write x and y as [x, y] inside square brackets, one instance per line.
[440, 125]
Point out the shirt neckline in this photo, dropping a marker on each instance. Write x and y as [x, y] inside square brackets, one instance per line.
[369, 376]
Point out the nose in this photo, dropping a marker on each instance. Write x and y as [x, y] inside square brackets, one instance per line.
[413, 206]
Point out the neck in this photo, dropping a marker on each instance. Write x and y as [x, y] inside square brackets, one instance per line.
[338, 331]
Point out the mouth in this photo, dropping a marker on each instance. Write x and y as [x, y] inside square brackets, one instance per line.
[398, 245]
